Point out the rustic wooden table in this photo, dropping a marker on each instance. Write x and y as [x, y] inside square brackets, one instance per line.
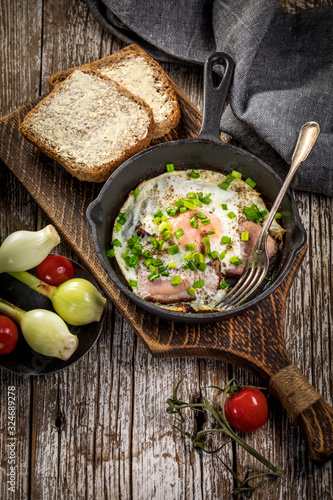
[99, 429]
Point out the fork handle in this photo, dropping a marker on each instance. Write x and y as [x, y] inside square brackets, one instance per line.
[306, 407]
[307, 138]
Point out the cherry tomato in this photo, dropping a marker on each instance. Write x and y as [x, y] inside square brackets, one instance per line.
[8, 335]
[247, 410]
[54, 270]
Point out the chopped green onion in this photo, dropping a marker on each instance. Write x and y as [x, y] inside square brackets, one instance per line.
[205, 199]
[159, 213]
[194, 223]
[172, 265]
[224, 206]
[224, 186]
[147, 253]
[182, 210]
[122, 217]
[206, 240]
[227, 182]
[191, 196]
[165, 273]
[250, 182]
[190, 246]
[132, 241]
[211, 232]
[170, 167]
[278, 215]
[118, 226]
[160, 244]
[191, 265]
[199, 284]
[157, 262]
[191, 290]
[133, 283]
[137, 249]
[197, 202]
[175, 280]
[154, 275]
[110, 252]
[164, 225]
[236, 175]
[166, 234]
[222, 254]
[116, 243]
[179, 233]
[204, 222]
[132, 261]
[195, 175]
[199, 258]
[154, 242]
[202, 267]
[189, 205]
[147, 262]
[173, 212]
[185, 266]
[187, 256]
[200, 215]
[179, 203]
[223, 285]
[162, 268]
[235, 260]
[157, 220]
[245, 236]
[164, 218]
[213, 255]
[231, 215]
[253, 213]
[136, 192]
[152, 268]
[173, 249]
[225, 240]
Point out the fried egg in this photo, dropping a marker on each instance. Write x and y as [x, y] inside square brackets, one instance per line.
[179, 235]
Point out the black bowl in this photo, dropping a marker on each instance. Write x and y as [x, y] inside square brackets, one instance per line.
[23, 359]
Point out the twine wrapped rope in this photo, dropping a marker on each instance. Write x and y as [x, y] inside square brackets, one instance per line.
[290, 387]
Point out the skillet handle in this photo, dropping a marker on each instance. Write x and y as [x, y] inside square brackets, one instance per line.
[306, 407]
[215, 95]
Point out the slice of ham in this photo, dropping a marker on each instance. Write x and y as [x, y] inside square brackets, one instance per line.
[160, 290]
[248, 246]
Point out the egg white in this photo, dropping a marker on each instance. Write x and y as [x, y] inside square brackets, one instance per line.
[161, 192]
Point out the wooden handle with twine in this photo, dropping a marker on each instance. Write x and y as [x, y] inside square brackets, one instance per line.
[306, 407]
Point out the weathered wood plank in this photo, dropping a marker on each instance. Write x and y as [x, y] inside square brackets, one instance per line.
[99, 429]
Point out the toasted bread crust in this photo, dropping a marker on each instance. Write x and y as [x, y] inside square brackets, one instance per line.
[162, 124]
[100, 171]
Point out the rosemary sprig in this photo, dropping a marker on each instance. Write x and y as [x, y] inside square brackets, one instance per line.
[177, 407]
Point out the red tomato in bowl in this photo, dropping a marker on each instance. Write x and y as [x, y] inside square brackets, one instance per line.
[54, 270]
[247, 410]
[8, 335]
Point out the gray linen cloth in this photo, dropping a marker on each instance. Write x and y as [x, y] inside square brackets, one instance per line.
[283, 75]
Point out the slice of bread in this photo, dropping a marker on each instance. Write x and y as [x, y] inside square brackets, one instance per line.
[89, 124]
[135, 70]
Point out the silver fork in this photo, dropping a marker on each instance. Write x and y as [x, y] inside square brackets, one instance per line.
[258, 263]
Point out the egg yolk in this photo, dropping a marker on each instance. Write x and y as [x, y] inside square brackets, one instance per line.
[196, 234]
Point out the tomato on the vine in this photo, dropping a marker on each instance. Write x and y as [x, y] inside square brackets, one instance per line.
[8, 335]
[55, 269]
[247, 410]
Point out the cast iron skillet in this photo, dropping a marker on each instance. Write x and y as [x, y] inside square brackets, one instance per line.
[207, 151]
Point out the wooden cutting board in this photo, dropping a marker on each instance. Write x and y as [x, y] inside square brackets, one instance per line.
[253, 340]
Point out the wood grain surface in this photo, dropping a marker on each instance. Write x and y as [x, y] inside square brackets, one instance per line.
[99, 429]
